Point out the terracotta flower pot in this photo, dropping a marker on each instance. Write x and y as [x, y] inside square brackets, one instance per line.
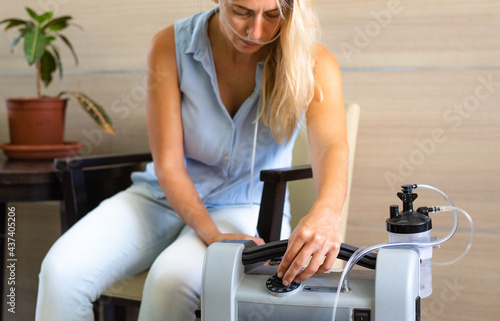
[36, 121]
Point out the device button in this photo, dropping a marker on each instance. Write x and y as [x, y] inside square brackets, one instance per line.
[275, 285]
[361, 314]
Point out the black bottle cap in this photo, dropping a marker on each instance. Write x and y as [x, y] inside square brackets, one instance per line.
[408, 221]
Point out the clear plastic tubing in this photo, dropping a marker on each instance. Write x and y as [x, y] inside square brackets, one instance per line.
[358, 254]
[252, 168]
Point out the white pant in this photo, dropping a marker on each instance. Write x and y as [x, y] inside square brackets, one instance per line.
[123, 236]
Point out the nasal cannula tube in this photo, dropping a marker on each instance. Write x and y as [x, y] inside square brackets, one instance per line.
[358, 254]
[248, 37]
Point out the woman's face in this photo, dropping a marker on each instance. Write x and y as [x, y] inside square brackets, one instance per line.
[250, 24]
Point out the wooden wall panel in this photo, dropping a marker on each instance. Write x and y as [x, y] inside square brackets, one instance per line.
[115, 33]
[409, 64]
[400, 33]
[414, 135]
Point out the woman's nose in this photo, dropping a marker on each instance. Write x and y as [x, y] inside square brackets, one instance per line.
[255, 28]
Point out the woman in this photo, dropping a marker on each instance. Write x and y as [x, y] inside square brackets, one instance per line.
[228, 89]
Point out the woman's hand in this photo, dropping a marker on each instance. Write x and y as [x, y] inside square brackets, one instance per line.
[317, 236]
[230, 236]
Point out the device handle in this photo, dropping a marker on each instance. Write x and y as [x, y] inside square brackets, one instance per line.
[276, 249]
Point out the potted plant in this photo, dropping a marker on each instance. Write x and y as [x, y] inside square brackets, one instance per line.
[40, 34]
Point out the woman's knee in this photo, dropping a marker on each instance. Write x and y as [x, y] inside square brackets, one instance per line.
[171, 289]
[56, 268]
[174, 279]
[176, 273]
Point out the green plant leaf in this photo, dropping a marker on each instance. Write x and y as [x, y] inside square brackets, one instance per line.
[95, 111]
[11, 23]
[57, 24]
[66, 41]
[76, 26]
[32, 14]
[47, 67]
[50, 39]
[40, 19]
[44, 17]
[34, 45]
[61, 25]
[58, 60]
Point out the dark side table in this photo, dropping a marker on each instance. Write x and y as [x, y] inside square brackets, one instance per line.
[21, 181]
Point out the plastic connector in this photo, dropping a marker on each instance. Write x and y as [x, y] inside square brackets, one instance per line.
[407, 189]
[426, 210]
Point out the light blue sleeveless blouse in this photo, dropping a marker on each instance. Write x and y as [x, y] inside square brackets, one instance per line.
[218, 148]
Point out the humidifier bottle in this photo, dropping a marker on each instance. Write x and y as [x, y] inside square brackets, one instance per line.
[411, 226]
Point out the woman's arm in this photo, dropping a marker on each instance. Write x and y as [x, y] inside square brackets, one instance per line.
[164, 123]
[317, 236]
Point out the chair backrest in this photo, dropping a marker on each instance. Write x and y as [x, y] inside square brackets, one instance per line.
[302, 193]
[86, 181]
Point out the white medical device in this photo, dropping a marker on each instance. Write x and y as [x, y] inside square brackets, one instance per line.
[240, 283]
[235, 291]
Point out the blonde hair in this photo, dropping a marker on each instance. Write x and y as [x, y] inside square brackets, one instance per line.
[288, 81]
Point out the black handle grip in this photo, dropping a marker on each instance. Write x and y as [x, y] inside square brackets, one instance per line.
[277, 249]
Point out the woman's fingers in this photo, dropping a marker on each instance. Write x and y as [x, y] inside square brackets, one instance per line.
[292, 250]
[303, 259]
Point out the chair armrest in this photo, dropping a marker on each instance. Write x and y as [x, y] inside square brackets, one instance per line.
[80, 162]
[273, 198]
[286, 174]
